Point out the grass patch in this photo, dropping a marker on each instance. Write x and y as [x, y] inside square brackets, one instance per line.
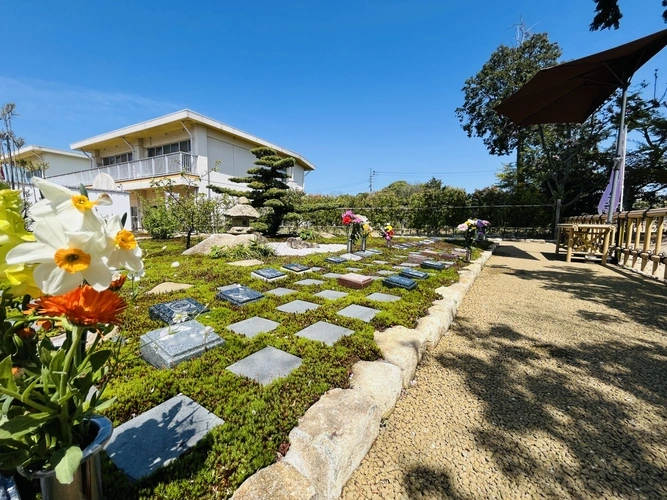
[257, 419]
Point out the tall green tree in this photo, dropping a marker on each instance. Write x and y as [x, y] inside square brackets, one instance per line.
[608, 14]
[506, 71]
[269, 190]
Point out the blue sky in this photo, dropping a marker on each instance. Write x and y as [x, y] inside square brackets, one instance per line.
[353, 86]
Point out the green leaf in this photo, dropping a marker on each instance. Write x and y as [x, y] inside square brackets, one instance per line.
[98, 359]
[6, 376]
[22, 424]
[83, 190]
[66, 461]
[104, 404]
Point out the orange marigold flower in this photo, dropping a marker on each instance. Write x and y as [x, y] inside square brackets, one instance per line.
[45, 324]
[17, 371]
[118, 283]
[84, 306]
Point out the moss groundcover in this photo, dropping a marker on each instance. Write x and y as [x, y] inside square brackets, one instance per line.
[257, 419]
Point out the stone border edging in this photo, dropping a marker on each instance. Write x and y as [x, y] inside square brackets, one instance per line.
[336, 433]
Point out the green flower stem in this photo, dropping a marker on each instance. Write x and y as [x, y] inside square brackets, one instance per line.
[27, 401]
[74, 351]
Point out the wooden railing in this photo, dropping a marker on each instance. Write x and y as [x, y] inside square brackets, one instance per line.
[639, 240]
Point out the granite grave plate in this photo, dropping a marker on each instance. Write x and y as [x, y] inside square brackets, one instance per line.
[353, 269]
[324, 332]
[166, 347]
[380, 262]
[375, 251]
[315, 269]
[350, 256]
[307, 282]
[280, 291]
[354, 280]
[266, 365]
[409, 264]
[253, 326]
[446, 255]
[413, 274]
[268, 274]
[297, 307]
[364, 254]
[159, 436]
[296, 267]
[383, 297]
[359, 312]
[168, 311]
[400, 282]
[416, 258]
[331, 294]
[335, 260]
[332, 275]
[238, 295]
[387, 273]
[433, 264]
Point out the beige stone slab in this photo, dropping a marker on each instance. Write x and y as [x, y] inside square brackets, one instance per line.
[246, 263]
[167, 287]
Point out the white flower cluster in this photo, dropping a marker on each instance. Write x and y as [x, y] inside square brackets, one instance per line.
[74, 243]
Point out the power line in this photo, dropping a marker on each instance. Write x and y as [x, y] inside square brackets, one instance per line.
[469, 172]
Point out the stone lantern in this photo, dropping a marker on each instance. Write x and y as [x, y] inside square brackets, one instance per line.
[241, 215]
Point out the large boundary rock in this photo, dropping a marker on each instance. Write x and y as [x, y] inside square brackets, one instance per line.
[220, 240]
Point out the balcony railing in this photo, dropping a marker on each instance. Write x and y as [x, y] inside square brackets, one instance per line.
[173, 163]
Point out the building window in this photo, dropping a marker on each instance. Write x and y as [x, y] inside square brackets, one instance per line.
[112, 160]
[183, 146]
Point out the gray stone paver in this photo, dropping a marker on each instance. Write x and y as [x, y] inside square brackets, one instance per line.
[158, 436]
[266, 365]
[547, 386]
[331, 294]
[308, 281]
[359, 312]
[324, 332]
[383, 297]
[297, 306]
[253, 326]
[332, 275]
[280, 291]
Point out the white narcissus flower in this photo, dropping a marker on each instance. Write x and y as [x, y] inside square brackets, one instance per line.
[72, 208]
[64, 258]
[126, 254]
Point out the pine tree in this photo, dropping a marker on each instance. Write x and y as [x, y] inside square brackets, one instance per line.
[269, 189]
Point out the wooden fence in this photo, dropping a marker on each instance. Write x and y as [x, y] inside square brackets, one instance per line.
[640, 238]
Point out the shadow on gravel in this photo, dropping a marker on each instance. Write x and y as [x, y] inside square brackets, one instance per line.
[597, 443]
[640, 299]
[512, 251]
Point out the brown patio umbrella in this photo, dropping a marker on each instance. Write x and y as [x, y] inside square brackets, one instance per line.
[572, 91]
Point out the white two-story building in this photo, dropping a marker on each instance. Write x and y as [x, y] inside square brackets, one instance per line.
[190, 149]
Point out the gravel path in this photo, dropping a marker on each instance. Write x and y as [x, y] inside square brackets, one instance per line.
[551, 384]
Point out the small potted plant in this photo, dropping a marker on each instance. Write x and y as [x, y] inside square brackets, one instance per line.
[61, 302]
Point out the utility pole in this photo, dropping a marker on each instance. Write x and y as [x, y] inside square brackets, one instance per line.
[370, 180]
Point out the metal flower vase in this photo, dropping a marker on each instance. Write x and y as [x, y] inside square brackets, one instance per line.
[468, 254]
[349, 244]
[87, 483]
[363, 243]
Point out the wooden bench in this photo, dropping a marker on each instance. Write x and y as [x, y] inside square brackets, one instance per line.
[584, 238]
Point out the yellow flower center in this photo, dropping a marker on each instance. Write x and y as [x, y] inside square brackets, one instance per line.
[125, 240]
[82, 203]
[72, 260]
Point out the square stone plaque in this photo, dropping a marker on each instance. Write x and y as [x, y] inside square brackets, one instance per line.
[166, 347]
[433, 264]
[416, 258]
[279, 292]
[350, 256]
[353, 269]
[447, 255]
[266, 365]
[359, 312]
[168, 311]
[413, 274]
[364, 254]
[409, 264]
[354, 280]
[383, 297]
[374, 250]
[268, 274]
[159, 436]
[308, 282]
[324, 332]
[297, 307]
[400, 282]
[332, 275]
[335, 260]
[331, 294]
[296, 268]
[238, 295]
[387, 273]
[253, 326]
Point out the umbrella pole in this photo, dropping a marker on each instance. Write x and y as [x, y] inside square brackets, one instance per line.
[617, 160]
